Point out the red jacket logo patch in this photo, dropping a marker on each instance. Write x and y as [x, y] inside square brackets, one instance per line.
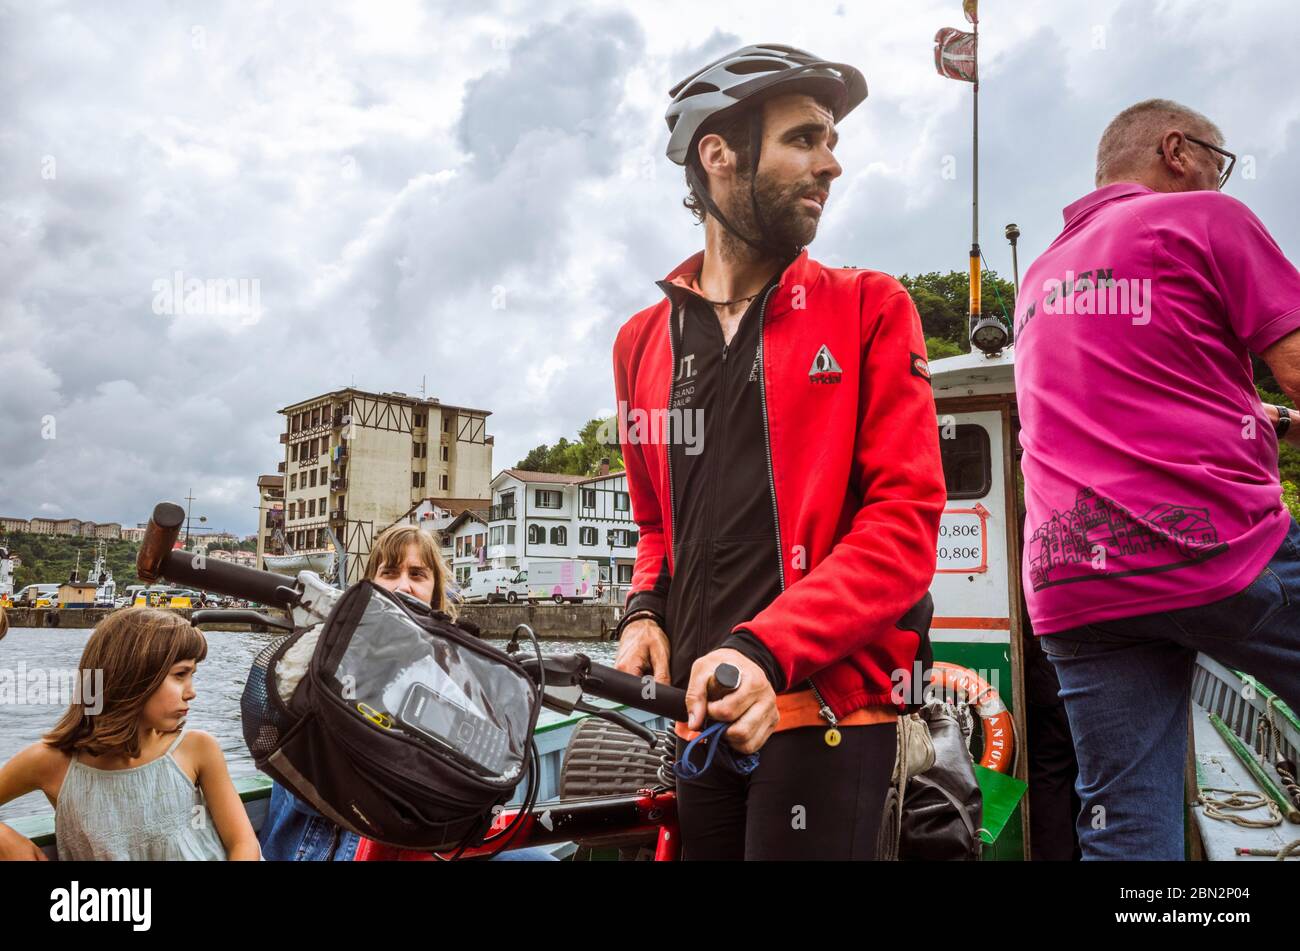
[824, 368]
[920, 367]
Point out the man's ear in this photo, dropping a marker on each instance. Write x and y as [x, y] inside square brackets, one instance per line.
[715, 155]
[1174, 148]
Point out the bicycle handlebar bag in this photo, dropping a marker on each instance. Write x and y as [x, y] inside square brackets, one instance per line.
[392, 721]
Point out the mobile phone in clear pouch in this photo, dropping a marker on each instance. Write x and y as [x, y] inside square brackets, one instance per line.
[450, 725]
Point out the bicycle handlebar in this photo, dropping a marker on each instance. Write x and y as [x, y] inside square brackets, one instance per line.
[159, 559]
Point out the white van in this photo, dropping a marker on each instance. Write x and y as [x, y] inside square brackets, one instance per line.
[38, 596]
[570, 579]
[491, 584]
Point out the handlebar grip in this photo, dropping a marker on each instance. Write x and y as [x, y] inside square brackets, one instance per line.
[224, 577]
[159, 560]
[159, 539]
[725, 680]
[642, 693]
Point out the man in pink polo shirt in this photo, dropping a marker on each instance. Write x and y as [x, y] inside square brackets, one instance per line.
[1155, 526]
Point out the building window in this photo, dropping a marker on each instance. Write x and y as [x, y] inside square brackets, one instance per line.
[620, 502]
[324, 474]
[624, 574]
[313, 476]
[417, 480]
[510, 534]
[559, 535]
[547, 498]
[588, 498]
[622, 538]
[536, 535]
[315, 417]
[311, 507]
[967, 464]
[293, 481]
[321, 507]
[418, 420]
[586, 535]
[444, 453]
[446, 424]
[442, 481]
[498, 535]
[293, 451]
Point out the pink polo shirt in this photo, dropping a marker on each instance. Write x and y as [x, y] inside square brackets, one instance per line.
[1151, 478]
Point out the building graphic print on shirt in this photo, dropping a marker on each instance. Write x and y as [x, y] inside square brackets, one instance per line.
[824, 368]
[1098, 539]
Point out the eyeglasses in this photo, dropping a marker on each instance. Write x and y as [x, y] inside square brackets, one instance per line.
[1232, 159]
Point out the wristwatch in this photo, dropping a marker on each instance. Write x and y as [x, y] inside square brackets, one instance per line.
[1283, 421]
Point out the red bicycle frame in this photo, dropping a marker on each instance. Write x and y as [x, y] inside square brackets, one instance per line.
[649, 812]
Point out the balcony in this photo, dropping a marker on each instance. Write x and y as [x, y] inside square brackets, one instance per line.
[338, 485]
[279, 467]
[337, 515]
[501, 513]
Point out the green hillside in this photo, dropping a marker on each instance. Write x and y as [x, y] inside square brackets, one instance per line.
[49, 559]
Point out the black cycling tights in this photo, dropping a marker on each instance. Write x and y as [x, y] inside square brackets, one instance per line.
[806, 800]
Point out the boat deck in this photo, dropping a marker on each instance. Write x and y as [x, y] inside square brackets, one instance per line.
[1241, 703]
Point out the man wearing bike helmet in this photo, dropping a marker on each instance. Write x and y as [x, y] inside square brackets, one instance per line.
[782, 459]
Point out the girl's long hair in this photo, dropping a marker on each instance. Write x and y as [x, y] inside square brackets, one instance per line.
[389, 551]
[135, 648]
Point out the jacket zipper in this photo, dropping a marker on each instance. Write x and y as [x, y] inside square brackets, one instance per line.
[668, 450]
[767, 435]
[823, 707]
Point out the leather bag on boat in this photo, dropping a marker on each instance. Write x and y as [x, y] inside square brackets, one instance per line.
[934, 807]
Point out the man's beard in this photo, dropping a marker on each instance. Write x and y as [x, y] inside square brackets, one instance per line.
[787, 227]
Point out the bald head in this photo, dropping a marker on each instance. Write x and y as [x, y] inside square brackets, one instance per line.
[1128, 148]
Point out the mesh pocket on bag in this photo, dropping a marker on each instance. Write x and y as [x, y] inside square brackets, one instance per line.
[263, 722]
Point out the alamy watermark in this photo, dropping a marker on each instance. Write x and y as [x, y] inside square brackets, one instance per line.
[650, 427]
[45, 686]
[215, 297]
[1093, 293]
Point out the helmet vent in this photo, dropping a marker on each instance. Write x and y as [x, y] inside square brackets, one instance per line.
[698, 89]
[756, 66]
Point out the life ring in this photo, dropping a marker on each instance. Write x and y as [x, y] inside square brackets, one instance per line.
[999, 727]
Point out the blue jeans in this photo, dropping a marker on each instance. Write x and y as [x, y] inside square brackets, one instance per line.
[1126, 685]
[295, 832]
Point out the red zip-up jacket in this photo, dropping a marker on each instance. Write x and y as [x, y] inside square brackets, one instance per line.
[853, 452]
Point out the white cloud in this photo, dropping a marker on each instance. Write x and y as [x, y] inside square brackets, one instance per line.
[480, 199]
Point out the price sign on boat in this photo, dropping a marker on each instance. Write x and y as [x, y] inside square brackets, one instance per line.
[963, 541]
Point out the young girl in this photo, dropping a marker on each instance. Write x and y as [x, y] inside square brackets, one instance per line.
[120, 770]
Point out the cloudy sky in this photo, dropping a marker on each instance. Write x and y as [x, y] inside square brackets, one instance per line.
[476, 195]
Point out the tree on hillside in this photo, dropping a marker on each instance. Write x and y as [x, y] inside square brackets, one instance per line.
[598, 439]
[942, 300]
